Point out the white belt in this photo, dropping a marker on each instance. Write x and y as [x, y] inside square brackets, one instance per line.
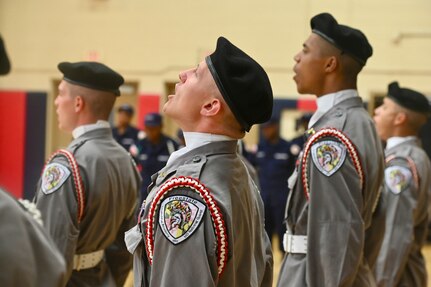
[87, 260]
[295, 243]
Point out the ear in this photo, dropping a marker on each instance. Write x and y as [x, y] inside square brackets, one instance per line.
[400, 118]
[331, 64]
[79, 104]
[211, 108]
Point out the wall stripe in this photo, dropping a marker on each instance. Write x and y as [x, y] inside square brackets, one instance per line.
[12, 139]
[34, 142]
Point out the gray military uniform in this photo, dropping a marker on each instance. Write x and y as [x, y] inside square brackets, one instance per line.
[28, 256]
[340, 173]
[111, 184]
[193, 258]
[406, 196]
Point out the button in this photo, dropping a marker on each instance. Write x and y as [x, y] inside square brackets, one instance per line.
[196, 159]
[338, 114]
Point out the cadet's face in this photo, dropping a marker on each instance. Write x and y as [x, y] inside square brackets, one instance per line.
[123, 118]
[384, 117]
[191, 91]
[270, 131]
[153, 133]
[309, 67]
[65, 107]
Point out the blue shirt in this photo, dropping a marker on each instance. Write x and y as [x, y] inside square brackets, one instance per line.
[129, 137]
[152, 158]
[274, 164]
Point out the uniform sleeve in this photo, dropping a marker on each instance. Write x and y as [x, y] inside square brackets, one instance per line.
[28, 257]
[118, 258]
[401, 199]
[375, 233]
[335, 227]
[269, 262]
[58, 206]
[184, 243]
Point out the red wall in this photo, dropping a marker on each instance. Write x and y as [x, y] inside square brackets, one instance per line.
[148, 103]
[12, 140]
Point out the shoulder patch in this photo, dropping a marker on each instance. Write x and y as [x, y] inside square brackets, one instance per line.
[397, 178]
[53, 177]
[328, 156]
[179, 217]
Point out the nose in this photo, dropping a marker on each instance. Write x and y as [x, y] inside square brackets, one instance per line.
[56, 101]
[296, 58]
[183, 77]
[376, 111]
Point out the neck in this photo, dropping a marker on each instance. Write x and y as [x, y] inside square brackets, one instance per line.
[336, 86]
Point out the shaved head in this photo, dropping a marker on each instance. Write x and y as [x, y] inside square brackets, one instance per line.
[100, 103]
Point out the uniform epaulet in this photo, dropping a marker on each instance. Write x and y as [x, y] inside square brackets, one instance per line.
[351, 149]
[77, 179]
[216, 216]
[411, 164]
[76, 146]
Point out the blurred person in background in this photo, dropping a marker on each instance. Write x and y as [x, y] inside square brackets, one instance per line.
[406, 189]
[153, 151]
[274, 164]
[125, 133]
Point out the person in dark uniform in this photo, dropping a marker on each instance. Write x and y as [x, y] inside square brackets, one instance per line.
[274, 164]
[297, 143]
[124, 133]
[153, 151]
[202, 223]
[407, 188]
[88, 192]
[336, 183]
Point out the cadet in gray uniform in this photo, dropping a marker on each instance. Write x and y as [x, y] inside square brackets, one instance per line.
[334, 188]
[88, 192]
[28, 256]
[202, 223]
[407, 188]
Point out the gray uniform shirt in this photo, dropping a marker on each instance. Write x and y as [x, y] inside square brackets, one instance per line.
[28, 256]
[111, 184]
[400, 261]
[192, 258]
[339, 208]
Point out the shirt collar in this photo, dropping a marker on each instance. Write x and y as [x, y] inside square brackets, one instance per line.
[81, 130]
[326, 102]
[194, 140]
[394, 141]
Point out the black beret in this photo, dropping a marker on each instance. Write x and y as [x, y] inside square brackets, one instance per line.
[345, 38]
[4, 60]
[408, 99]
[92, 75]
[242, 82]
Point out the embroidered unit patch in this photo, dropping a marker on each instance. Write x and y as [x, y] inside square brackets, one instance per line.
[189, 211]
[346, 142]
[179, 217]
[53, 177]
[328, 156]
[397, 178]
